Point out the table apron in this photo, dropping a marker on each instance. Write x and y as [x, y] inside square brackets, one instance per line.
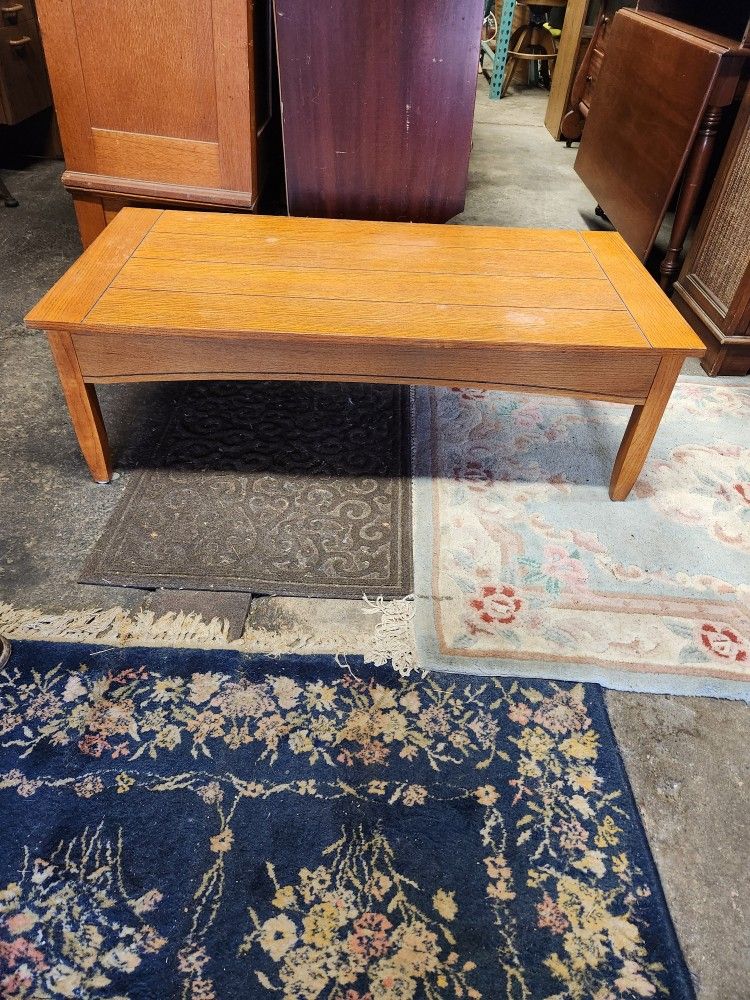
[601, 373]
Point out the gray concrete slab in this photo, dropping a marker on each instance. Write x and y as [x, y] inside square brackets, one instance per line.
[688, 759]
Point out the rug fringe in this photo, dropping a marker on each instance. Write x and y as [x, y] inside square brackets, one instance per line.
[116, 626]
[392, 638]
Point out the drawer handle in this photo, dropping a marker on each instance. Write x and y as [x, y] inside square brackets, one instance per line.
[12, 10]
[18, 42]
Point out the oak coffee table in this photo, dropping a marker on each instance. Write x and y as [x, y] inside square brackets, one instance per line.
[168, 295]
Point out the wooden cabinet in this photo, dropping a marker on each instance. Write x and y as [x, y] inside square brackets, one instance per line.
[713, 290]
[378, 103]
[163, 103]
[24, 89]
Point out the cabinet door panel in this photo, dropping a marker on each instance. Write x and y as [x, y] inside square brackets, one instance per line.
[158, 92]
[133, 54]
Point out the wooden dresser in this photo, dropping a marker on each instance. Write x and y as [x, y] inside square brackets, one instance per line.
[24, 89]
[159, 103]
[713, 289]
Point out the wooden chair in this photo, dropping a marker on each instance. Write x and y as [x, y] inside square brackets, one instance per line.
[531, 42]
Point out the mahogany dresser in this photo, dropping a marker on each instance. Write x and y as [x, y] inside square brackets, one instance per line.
[160, 103]
[584, 85]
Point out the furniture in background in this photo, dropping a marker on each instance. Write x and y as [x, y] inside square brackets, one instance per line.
[584, 84]
[160, 103]
[531, 42]
[377, 106]
[660, 95]
[183, 295]
[24, 87]
[572, 47]
[520, 38]
[713, 289]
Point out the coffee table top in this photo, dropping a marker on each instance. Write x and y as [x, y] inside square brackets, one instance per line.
[206, 274]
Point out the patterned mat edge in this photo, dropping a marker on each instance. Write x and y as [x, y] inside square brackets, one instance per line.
[93, 573]
[391, 639]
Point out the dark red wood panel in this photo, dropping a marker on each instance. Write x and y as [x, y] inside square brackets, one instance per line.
[377, 105]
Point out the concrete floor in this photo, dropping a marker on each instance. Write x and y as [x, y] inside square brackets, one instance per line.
[688, 758]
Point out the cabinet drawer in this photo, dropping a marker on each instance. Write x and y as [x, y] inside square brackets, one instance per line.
[24, 89]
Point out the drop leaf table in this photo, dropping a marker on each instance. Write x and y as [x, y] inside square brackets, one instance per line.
[171, 295]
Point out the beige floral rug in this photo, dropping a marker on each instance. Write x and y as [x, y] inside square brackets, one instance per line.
[523, 566]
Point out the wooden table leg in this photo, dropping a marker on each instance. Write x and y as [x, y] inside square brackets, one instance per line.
[643, 425]
[83, 406]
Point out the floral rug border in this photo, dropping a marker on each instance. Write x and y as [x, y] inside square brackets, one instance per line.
[434, 652]
[570, 724]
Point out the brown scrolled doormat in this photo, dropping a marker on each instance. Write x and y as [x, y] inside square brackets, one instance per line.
[272, 488]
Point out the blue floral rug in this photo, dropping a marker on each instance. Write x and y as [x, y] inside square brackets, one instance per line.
[191, 824]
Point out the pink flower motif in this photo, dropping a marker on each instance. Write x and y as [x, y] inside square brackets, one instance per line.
[572, 835]
[724, 643]
[743, 489]
[370, 935]
[373, 752]
[495, 606]
[127, 675]
[528, 416]
[16, 984]
[562, 713]
[561, 566]
[94, 745]
[520, 713]
[20, 951]
[550, 915]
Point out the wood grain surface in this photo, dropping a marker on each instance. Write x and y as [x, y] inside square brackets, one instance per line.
[83, 407]
[364, 282]
[159, 94]
[657, 317]
[619, 375]
[637, 140]
[148, 301]
[65, 305]
[377, 106]
[641, 430]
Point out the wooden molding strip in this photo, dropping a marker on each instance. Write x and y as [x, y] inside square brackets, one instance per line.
[103, 184]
